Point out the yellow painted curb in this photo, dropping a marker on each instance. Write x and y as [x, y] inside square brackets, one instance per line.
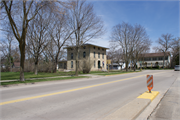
[148, 95]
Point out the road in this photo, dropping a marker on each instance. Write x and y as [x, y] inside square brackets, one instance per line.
[83, 99]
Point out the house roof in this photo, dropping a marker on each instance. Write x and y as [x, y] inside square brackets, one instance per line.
[155, 54]
[87, 44]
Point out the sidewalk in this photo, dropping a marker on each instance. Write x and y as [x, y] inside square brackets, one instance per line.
[90, 75]
[169, 106]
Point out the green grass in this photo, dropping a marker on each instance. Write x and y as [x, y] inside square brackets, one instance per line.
[115, 72]
[16, 75]
[29, 75]
[41, 80]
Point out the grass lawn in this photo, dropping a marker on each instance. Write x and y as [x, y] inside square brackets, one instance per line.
[116, 72]
[41, 80]
[16, 75]
[27, 75]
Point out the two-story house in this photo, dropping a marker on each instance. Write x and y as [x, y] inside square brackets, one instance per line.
[95, 54]
[154, 60]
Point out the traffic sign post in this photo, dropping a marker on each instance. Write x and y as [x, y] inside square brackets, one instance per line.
[150, 82]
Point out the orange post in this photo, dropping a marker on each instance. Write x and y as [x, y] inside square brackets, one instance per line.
[150, 82]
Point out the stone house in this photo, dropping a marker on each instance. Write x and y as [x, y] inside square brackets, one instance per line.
[96, 55]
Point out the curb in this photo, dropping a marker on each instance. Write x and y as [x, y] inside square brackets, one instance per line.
[123, 73]
[148, 95]
[133, 109]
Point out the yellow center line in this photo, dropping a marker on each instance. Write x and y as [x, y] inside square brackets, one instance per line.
[34, 97]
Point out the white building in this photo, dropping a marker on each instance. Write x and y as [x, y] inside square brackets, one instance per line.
[154, 60]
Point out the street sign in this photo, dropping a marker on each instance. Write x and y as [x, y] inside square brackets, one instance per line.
[150, 82]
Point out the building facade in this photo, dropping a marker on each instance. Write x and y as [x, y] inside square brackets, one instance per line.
[90, 54]
[154, 60]
[62, 65]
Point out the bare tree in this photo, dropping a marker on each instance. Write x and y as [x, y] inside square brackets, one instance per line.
[38, 35]
[133, 40]
[175, 47]
[165, 43]
[115, 54]
[121, 34]
[6, 48]
[140, 43]
[59, 34]
[86, 25]
[19, 14]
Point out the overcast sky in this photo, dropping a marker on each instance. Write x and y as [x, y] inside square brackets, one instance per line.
[158, 17]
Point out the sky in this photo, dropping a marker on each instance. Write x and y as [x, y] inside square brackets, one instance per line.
[157, 17]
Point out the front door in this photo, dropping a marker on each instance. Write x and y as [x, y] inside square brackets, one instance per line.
[99, 64]
[65, 66]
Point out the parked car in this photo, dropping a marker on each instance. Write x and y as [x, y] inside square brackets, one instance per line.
[177, 68]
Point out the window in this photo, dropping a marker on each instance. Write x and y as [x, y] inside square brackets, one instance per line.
[71, 64]
[84, 54]
[160, 58]
[102, 49]
[71, 55]
[147, 59]
[102, 55]
[94, 47]
[98, 48]
[71, 48]
[94, 64]
[84, 47]
[154, 58]
[94, 55]
[98, 55]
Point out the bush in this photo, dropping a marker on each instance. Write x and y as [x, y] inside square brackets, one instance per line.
[158, 67]
[85, 65]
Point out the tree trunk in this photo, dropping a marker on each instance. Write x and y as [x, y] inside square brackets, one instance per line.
[56, 63]
[10, 57]
[36, 66]
[134, 67]
[163, 60]
[22, 51]
[76, 73]
[55, 67]
[126, 66]
[10, 63]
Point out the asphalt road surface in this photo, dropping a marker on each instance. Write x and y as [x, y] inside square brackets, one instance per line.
[80, 99]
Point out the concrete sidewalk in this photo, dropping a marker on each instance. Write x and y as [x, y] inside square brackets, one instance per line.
[169, 106]
[33, 78]
[89, 75]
